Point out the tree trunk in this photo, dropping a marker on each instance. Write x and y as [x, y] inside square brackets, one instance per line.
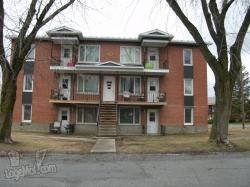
[242, 100]
[8, 97]
[223, 93]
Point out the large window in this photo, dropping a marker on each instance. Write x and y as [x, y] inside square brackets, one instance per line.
[31, 54]
[188, 87]
[87, 114]
[130, 84]
[188, 116]
[89, 53]
[129, 116]
[187, 57]
[26, 113]
[88, 84]
[130, 55]
[27, 83]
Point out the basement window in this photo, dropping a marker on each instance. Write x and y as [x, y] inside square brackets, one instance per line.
[26, 113]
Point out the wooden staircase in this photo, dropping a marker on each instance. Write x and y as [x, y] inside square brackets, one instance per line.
[107, 120]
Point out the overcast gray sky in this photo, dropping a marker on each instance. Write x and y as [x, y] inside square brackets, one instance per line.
[128, 18]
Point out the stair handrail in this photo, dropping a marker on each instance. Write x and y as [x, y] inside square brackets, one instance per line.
[98, 115]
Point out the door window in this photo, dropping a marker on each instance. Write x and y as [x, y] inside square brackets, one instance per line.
[66, 53]
[64, 115]
[152, 86]
[65, 83]
[152, 116]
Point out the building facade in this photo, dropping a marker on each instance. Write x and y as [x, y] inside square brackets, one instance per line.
[113, 86]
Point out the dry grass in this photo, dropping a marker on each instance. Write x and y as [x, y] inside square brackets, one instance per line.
[195, 143]
[31, 142]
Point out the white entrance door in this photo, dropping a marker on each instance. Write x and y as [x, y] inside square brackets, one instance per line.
[109, 88]
[66, 54]
[65, 86]
[64, 117]
[153, 121]
[153, 89]
[153, 57]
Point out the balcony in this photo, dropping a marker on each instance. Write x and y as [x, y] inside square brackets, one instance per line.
[63, 97]
[155, 99]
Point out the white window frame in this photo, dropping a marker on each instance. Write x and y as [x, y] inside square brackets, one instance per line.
[191, 57]
[85, 106]
[24, 83]
[192, 116]
[32, 47]
[192, 87]
[23, 106]
[83, 92]
[133, 124]
[85, 45]
[134, 58]
[134, 77]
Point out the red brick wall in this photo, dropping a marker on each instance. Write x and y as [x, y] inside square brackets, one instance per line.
[43, 81]
[172, 84]
[200, 89]
[170, 114]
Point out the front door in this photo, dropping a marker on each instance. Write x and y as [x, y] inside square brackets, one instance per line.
[153, 89]
[65, 84]
[152, 121]
[66, 55]
[153, 57]
[64, 117]
[109, 88]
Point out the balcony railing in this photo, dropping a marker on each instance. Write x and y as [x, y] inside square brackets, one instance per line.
[160, 64]
[59, 62]
[62, 95]
[143, 98]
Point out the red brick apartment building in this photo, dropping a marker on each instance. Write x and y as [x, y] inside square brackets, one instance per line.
[112, 86]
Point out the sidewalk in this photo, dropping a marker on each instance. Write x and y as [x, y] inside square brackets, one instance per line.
[104, 145]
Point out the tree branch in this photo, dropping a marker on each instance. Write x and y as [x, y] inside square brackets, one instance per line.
[225, 7]
[235, 49]
[209, 57]
[209, 21]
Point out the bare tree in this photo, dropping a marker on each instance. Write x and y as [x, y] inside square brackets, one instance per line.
[225, 67]
[39, 13]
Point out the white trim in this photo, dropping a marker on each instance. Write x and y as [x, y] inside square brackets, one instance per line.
[130, 124]
[84, 60]
[84, 123]
[83, 92]
[27, 121]
[120, 77]
[191, 57]
[192, 87]
[192, 116]
[32, 47]
[24, 83]
[140, 60]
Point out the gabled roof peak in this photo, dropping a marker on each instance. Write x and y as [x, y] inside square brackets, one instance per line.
[156, 33]
[64, 30]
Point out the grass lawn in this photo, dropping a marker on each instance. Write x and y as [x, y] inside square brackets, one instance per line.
[181, 143]
[188, 143]
[26, 142]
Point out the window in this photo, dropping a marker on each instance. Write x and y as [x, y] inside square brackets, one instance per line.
[89, 53]
[130, 84]
[31, 54]
[130, 55]
[88, 84]
[27, 83]
[187, 57]
[188, 87]
[86, 115]
[188, 115]
[26, 113]
[129, 116]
